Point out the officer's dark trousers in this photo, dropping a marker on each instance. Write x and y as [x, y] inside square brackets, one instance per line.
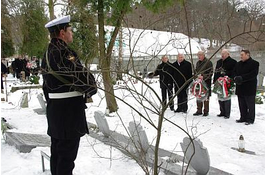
[167, 91]
[63, 155]
[183, 101]
[247, 108]
[225, 107]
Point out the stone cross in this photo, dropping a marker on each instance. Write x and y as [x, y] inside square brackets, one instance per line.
[200, 161]
[139, 136]
[102, 123]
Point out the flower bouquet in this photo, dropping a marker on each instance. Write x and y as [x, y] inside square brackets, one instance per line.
[199, 89]
[224, 87]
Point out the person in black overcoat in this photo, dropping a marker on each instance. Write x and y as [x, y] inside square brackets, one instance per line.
[205, 69]
[66, 83]
[182, 73]
[165, 72]
[18, 66]
[246, 72]
[224, 67]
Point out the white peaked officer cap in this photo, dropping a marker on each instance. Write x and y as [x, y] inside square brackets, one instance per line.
[58, 24]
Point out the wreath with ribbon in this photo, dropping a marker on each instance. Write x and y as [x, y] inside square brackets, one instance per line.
[224, 87]
[198, 89]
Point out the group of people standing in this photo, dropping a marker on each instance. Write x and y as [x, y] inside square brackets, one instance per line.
[179, 75]
[24, 64]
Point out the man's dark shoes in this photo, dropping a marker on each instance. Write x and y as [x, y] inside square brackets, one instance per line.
[248, 123]
[240, 121]
[220, 115]
[178, 110]
[197, 113]
[205, 114]
[171, 109]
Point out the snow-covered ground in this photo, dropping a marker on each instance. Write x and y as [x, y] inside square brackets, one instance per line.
[94, 158]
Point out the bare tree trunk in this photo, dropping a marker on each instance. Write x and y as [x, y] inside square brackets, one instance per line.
[159, 128]
[51, 9]
[211, 42]
[105, 62]
[119, 74]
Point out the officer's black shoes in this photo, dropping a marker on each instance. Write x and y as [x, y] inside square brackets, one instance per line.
[171, 109]
[205, 114]
[240, 121]
[248, 123]
[220, 115]
[197, 113]
[178, 110]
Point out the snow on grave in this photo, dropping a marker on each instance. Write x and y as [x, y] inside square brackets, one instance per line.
[127, 145]
[28, 86]
[25, 142]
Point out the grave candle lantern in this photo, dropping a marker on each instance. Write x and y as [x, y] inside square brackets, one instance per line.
[241, 144]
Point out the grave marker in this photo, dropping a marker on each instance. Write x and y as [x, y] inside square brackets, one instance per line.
[200, 161]
[139, 136]
[41, 110]
[102, 123]
[24, 102]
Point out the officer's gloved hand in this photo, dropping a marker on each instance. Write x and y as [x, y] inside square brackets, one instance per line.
[238, 80]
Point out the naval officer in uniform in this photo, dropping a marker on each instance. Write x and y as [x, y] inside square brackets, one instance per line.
[66, 85]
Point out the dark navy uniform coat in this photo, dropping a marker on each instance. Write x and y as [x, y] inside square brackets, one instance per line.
[64, 73]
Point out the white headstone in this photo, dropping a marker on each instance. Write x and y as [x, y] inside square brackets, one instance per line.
[139, 136]
[200, 161]
[41, 101]
[24, 101]
[102, 123]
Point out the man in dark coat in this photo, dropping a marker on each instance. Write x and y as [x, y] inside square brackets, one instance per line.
[66, 82]
[224, 67]
[182, 73]
[18, 66]
[246, 72]
[165, 72]
[205, 69]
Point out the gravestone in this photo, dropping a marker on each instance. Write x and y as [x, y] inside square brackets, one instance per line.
[41, 110]
[102, 123]
[200, 161]
[26, 142]
[24, 101]
[139, 136]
